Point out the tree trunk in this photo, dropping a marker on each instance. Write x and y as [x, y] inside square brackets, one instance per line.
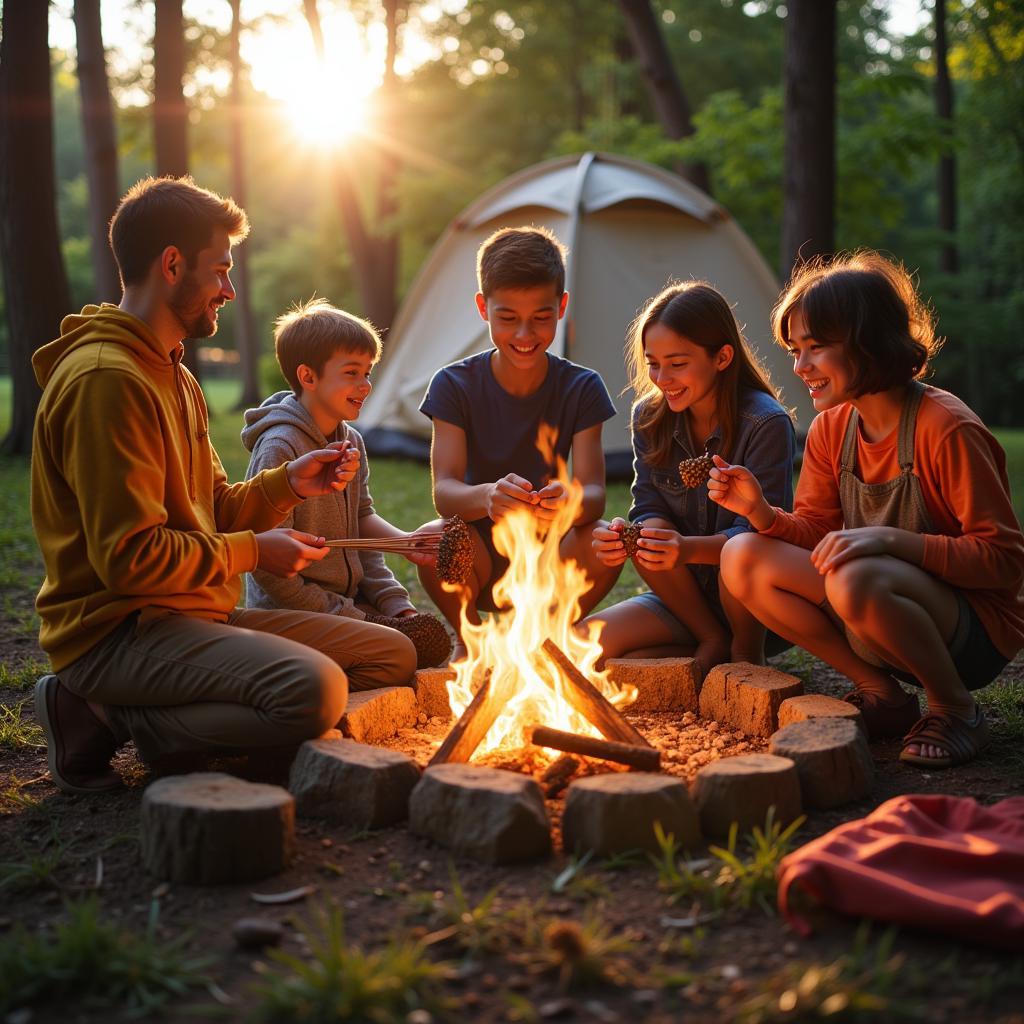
[386, 243]
[35, 284]
[100, 146]
[808, 206]
[663, 84]
[948, 256]
[374, 258]
[170, 113]
[246, 338]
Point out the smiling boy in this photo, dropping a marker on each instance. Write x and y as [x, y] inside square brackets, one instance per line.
[327, 355]
[488, 409]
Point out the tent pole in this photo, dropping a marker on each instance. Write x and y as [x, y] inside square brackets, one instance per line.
[562, 345]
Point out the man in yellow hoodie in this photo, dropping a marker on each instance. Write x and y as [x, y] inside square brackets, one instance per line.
[144, 540]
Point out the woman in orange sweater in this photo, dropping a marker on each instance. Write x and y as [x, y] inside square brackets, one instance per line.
[902, 559]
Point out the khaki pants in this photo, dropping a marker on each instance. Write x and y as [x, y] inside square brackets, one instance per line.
[266, 677]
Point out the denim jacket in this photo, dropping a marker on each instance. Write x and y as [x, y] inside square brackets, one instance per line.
[765, 443]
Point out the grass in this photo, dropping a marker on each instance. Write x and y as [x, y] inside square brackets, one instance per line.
[868, 983]
[96, 965]
[730, 878]
[342, 982]
[17, 732]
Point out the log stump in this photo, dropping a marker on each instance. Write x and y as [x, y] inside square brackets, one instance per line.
[488, 814]
[747, 697]
[616, 812]
[831, 757]
[208, 827]
[817, 705]
[742, 788]
[663, 684]
[352, 783]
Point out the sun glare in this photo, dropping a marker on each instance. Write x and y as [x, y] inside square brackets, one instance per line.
[323, 103]
[324, 106]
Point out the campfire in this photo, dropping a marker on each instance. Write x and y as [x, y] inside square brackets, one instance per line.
[529, 679]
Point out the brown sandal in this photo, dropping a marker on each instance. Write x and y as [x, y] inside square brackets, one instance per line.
[885, 721]
[963, 740]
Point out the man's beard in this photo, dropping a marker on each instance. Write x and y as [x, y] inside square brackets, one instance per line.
[191, 309]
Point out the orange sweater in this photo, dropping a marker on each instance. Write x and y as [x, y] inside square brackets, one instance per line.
[130, 504]
[977, 546]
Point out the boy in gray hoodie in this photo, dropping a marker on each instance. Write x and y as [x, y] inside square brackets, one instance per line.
[326, 355]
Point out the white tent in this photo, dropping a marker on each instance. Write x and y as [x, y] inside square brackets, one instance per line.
[630, 227]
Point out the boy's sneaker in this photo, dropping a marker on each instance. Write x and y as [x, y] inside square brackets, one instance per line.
[78, 745]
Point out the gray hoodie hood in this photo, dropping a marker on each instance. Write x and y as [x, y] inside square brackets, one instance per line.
[283, 409]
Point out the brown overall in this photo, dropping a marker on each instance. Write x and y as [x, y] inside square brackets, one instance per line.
[898, 502]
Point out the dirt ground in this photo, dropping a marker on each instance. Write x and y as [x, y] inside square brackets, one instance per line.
[387, 883]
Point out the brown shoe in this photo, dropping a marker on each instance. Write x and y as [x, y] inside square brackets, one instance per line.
[78, 745]
[427, 632]
[885, 721]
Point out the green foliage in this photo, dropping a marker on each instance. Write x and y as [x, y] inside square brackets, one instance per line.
[579, 955]
[477, 928]
[97, 965]
[22, 677]
[860, 985]
[576, 883]
[16, 731]
[342, 982]
[729, 878]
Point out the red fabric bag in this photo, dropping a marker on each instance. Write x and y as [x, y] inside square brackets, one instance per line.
[944, 863]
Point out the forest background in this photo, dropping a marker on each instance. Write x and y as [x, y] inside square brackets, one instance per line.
[423, 104]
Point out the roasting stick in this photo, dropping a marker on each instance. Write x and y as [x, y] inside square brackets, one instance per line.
[422, 542]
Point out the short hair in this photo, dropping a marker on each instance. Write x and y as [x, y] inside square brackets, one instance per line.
[311, 332]
[870, 306]
[157, 212]
[520, 258]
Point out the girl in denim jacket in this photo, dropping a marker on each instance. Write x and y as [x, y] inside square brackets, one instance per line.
[700, 391]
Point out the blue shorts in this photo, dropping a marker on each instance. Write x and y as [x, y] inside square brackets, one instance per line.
[681, 636]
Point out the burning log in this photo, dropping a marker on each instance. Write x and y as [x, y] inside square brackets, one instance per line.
[558, 774]
[591, 703]
[646, 758]
[468, 732]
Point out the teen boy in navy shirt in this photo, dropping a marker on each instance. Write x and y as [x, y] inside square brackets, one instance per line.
[488, 410]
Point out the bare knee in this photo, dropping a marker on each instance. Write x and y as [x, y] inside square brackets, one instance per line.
[741, 559]
[853, 589]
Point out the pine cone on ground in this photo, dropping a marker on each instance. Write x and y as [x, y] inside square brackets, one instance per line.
[427, 632]
[695, 472]
[455, 553]
[631, 538]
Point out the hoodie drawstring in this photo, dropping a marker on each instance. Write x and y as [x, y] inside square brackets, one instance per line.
[183, 405]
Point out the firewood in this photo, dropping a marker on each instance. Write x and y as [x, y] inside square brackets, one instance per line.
[646, 758]
[469, 731]
[591, 703]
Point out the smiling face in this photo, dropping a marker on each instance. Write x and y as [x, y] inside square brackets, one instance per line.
[686, 373]
[196, 299]
[821, 365]
[523, 322]
[338, 392]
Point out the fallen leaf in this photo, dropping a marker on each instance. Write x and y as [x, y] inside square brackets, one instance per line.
[291, 896]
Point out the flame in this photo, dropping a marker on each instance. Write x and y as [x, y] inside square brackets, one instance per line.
[543, 592]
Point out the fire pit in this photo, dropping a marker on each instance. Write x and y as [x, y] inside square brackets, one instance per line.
[529, 680]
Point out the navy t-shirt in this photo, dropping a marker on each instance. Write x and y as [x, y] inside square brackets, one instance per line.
[501, 429]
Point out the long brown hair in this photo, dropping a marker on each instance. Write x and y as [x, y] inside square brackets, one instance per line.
[699, 313]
